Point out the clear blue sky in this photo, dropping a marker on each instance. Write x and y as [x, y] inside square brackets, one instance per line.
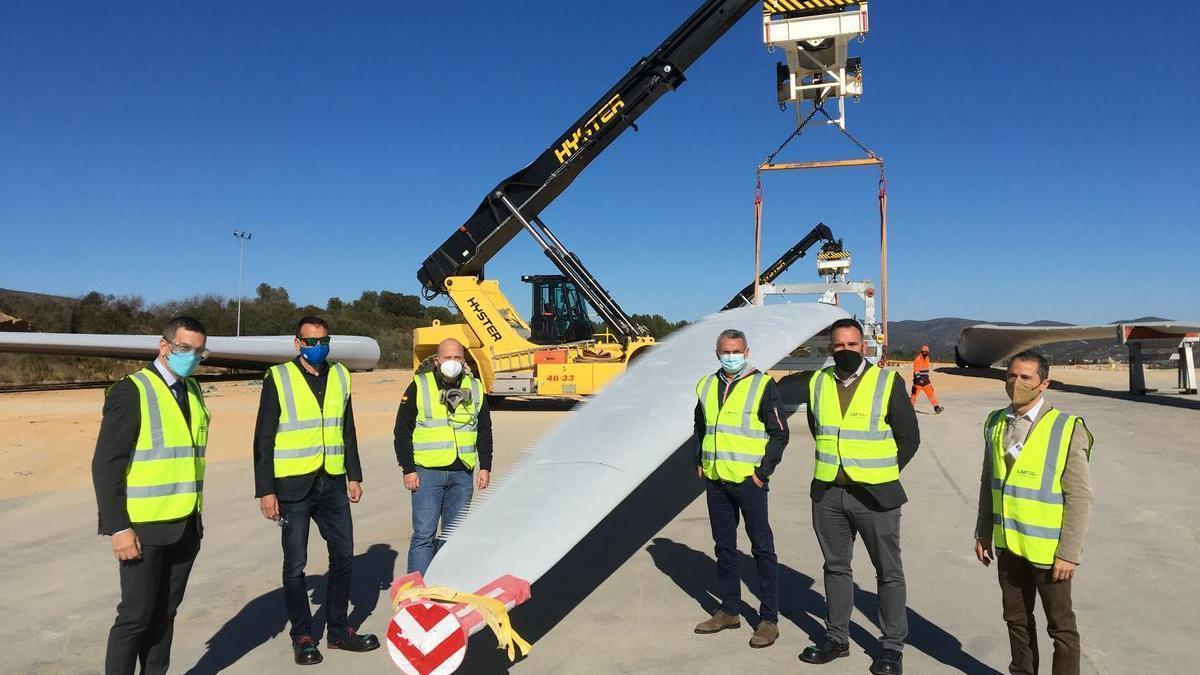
[1041, 157]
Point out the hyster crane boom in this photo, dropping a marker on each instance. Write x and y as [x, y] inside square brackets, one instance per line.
[556, 353]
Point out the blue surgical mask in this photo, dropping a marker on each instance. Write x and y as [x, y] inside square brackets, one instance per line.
[183, 364]
[733, 363]
[315, 355]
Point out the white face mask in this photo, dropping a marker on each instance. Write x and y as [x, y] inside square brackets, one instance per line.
[451, 369]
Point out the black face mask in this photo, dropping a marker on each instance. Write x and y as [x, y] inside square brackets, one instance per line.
[847, 360]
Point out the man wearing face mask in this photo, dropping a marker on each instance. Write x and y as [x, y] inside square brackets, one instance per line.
[921, 382]
[148, 471]
[307, 468]
[866, 433]
[740, 436]
[1035, 501]
[443, 432]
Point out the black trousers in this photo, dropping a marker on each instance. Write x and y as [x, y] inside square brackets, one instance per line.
[328, 505]
[151, 591]
[726, 502]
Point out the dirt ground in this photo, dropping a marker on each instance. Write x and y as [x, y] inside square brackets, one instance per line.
[48, 437]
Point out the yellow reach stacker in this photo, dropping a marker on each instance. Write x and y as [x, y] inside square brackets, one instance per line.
[558, 351]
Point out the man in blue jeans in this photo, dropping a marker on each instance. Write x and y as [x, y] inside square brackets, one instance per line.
[306, 468]
[740, 436]
[443, 432]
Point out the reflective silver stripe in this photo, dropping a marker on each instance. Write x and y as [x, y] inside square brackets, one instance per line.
[172, 452]
[881, 383]
[855, 435]
[335, 450]
[827, 430]
[289, 396]
[301, 425]
[476, 395]
[434, 445]
[816, 402]
[748, 410]
[827, 458]
[739, 431]
[1056, 436]
[155, 413]
[874, 463]
[1026, 529]
[708, 381]
[466, 450]
[299, 453]
[135, 492]
[724, 455]
[341, 373]
[426, 402]
[1033, 495]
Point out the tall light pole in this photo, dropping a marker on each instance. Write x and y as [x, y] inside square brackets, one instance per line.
[243, 237]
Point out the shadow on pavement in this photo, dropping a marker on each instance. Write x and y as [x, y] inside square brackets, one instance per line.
[265, 617]
[695, 574]
[653, 504]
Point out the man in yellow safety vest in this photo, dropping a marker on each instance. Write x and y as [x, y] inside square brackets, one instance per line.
[306, 468]
[740, 435]
[865, 432]
[443, 433]
[1035, 501]
[148, 471]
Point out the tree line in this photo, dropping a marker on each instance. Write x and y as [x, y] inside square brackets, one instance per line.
[386, 316]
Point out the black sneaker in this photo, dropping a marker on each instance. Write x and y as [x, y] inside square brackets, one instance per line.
[353, 642]
[306, 652]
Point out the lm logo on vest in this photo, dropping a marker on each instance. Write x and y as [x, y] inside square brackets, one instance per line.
[1028, 473]
[857, 414]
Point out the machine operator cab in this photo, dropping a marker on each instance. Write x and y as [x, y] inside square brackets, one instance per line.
[560, 312]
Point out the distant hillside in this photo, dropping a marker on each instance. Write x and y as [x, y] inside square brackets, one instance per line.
[40, 312]
[906, 337]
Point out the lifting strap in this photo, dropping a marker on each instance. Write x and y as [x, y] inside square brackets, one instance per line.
[492, 610]
[758, 208]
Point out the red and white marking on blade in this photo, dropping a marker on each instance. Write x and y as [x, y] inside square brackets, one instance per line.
[425, 639]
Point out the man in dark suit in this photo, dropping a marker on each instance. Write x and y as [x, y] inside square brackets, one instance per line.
[306, 467]
[148, 472]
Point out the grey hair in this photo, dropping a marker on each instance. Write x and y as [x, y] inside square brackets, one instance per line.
[732, 334]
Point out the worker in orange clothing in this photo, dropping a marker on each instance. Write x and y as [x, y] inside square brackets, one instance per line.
[921, 382]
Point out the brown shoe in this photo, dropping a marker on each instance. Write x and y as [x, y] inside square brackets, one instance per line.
[720, 621]
[765, 635]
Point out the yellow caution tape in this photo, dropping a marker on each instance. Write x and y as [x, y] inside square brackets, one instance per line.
[492, 610]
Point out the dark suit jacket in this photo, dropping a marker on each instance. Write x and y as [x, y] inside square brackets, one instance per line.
[295, 488]
[903, 420]
[114, 450]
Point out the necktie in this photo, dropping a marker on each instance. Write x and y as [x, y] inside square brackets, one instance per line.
[180, 391]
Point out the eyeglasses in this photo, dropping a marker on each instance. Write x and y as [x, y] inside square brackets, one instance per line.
[182, 350]
[313, 341]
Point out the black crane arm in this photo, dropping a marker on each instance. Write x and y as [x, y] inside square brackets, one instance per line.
[820, 232]
[533, 188]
